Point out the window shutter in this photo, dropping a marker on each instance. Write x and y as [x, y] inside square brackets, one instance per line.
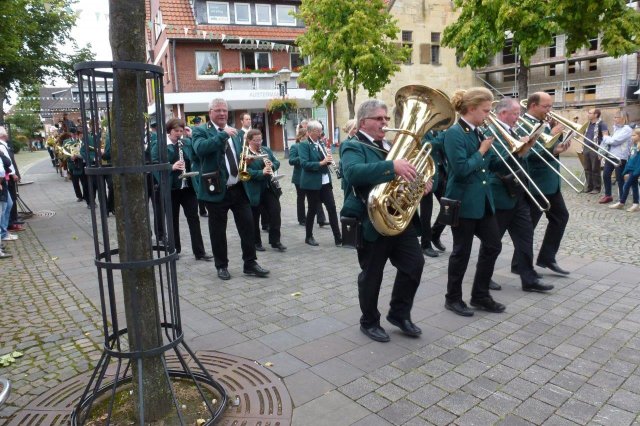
[425, 53]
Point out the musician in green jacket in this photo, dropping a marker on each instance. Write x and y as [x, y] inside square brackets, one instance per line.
[431, 234]
[263, 191]
[294, 160]
[470, 162]
[364, 165]
[548, 180]
[182, 192]
[219, 151]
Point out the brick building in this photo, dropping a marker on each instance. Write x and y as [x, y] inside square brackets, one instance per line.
[231, 50]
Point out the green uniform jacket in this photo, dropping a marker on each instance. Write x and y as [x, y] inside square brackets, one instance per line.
[92, 151]
[363, 166]
[546, 179]
[469, 171]
[312, 171]
[259, 182]
[172, 156]
[209, 145]
[294, 160]
[501, 197]
[437, 154]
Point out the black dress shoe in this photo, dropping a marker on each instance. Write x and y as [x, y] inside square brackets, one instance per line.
[79, 200]
[265, 229]
[338, 241]
[494, 285]
[206, 257]
[311, 241]
[459, 308]
[321, 224]
[553, 266]
[259, 247]
[438, 244]
[255, 270]
[279, 246]
[537, 286]
[375, 332]
[488, 304]
[223, 274]
[407, 327]
[204, 214]
[430, 252]
[302, 223]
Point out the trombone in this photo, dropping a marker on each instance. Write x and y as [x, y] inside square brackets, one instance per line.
[553, 158]
[577, 131]
[514, 146]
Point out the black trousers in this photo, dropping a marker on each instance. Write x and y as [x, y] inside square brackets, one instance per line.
[592, 171]
[429, 232]
[486, 229]
[235, 200]
[158, 211]
[186, 198]
[558, 216]
[84, 180]
[517, 222]
[325, 196]
[271, 204]
[13, 190]
[75, 180]
[404, 253]
[300, 208]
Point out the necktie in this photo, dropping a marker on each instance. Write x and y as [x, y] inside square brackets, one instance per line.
[320, 151]
[233, 166]
[378, 143]
[479, 134]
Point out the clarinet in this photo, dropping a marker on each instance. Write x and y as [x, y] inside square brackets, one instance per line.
[184, 174]
[333, 167]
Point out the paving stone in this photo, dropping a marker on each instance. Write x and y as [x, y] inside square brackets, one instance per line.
[372, 420]
[534, 411]
[626, 400]
[358, 388]
[385, 374]
[374, 402]
[427, 395]
[337, 371]
[577, 411]
[376, 355]
[283, 364]
[400, 412]
[438, 416]
[458, 402]
[321, 350]
[500, 403]
[606, 380]
[477, 416]
[612, 415]
[519, 388]
[412, 381]
[481, 387]
[391, 392]
[330, 409]
[305, 386]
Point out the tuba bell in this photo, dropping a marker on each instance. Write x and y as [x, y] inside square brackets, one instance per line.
[391, 205]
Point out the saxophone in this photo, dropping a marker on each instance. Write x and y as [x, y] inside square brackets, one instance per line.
[391, 205]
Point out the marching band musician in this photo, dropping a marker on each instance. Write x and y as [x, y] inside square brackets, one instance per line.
[470, 164]
[73, 165]
[512, 210]
[363, 165]
[262, 191]
[218, 149]
[538, 105]
[431, 234]
[182, 192]
[315, 180]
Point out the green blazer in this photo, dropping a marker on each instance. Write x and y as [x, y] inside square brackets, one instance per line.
[363, 166]
[172, 156]
[501, 197]
[469, 171]
[436, 140]
[312, 171]
[76, 167]
[259, 182]
[294, 160]
[546, 179]
[209, 146]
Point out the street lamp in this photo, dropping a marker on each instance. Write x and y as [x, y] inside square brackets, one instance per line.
[282, 78]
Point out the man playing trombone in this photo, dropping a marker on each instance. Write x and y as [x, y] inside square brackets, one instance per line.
[509, 187]
[547, 178]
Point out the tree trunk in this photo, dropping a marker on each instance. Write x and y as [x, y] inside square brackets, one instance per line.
[523, 80]
[3, 97]
[127, 36]
[351, 102]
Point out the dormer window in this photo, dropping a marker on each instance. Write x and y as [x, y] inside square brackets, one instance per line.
[263, 14]
[283, 17]
[218, 12]
[243, 13]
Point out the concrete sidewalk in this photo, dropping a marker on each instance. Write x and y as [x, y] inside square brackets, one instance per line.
[568, 357]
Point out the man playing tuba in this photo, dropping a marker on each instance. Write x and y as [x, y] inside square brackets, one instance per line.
[363, 166]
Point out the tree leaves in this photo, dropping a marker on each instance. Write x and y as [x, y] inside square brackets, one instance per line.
[351, 45]
[8, 359]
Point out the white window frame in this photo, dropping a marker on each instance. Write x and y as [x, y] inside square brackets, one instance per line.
[206, 76]
[157, 27]
[235, 9]
[289, 8]
[258, 21]
[221, 20]
[255, 59]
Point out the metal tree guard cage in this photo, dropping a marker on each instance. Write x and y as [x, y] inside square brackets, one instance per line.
[101, 120]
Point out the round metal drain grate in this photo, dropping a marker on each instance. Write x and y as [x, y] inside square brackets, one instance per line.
[42, 214]
[257, 395]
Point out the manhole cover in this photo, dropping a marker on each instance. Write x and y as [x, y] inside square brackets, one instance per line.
[257, 395]
[42, 214]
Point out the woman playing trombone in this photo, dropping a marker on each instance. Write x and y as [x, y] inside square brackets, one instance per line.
[470, 164]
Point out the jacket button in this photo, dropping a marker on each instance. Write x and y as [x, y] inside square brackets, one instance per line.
[484, 182]
[483, 170]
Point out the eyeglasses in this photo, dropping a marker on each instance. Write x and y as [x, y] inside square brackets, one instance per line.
[379, 118]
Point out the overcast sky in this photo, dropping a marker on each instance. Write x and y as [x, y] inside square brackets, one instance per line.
[92, 27]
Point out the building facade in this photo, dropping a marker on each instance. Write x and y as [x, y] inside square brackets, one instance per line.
[421, 23]
[230, 50]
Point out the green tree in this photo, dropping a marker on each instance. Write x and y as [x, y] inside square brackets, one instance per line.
[351, 44]
[483, 27]
[32, 36]
[26, 117]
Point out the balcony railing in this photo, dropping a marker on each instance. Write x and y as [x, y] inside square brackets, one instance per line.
[254, 81]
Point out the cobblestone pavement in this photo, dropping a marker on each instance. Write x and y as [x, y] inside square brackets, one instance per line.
[568, 357]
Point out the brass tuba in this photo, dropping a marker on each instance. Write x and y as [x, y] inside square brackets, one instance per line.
[391, 205]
